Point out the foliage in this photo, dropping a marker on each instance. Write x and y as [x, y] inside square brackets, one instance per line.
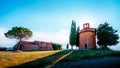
[72, 37]
[56, 46]
[19, 33]
[106, 36]
[67, 46]
[77, 37]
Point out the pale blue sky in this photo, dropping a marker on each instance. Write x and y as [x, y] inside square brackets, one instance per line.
[52, 17]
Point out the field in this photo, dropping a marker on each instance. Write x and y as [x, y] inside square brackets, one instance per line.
[46, 59]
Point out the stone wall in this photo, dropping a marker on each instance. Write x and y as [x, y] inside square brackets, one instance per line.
[89, 38]
[30, 47]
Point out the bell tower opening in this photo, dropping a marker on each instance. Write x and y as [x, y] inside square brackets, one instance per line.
[86, 25]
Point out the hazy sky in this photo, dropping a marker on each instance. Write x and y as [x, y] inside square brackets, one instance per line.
[50, 20]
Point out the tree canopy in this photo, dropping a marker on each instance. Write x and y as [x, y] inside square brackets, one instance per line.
[67, 46]
[106, 36]
[56, 46]
[19, 33]
[72, 37]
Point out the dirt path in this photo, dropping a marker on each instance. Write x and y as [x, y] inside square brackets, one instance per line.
[101, 62]
[54, 62]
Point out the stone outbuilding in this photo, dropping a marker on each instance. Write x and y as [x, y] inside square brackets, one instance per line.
[3, 48]
[35, 45]
[87, 37]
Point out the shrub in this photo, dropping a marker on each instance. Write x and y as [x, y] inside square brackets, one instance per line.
[56, 46]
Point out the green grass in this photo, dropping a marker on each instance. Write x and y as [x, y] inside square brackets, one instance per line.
[85, 54]
[43, 58]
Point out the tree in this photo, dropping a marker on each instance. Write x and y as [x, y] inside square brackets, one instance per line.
[72, 37]
[56, 46]
[19, 33]
[106, 36]
[77, 37]
[67, 46]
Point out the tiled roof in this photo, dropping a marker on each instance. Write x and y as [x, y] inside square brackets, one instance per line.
[2, 47]
[27, 42]
[31, 43]
[43, 42]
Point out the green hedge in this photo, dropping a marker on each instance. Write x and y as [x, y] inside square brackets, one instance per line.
[56, 46]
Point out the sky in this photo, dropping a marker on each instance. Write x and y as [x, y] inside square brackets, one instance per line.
[50, 20]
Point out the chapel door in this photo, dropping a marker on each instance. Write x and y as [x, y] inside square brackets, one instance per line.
[86, 46]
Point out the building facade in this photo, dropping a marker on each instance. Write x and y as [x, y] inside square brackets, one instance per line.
[87, 38]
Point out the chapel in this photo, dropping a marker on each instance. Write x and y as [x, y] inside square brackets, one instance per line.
[87, 37]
